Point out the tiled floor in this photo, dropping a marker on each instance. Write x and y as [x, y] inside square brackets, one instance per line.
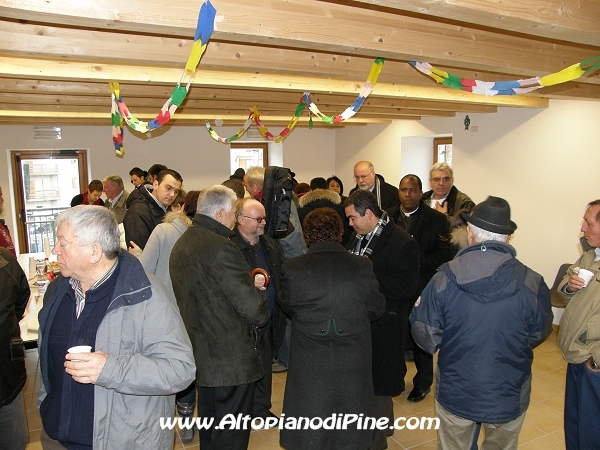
[543, 428]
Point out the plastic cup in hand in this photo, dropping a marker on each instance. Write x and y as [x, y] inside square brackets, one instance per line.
[80, 349]
[586, 275]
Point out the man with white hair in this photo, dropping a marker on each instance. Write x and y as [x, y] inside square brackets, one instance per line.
[485, 311]
[114, 395]
[116, 196]
[221, 308]
[444, 196]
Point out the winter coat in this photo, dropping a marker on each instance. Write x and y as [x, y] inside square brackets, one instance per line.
[14, 298]
[579, 334]
[324, 198]
[331, 296]
[219, 303]
[142, 216]
[455, 199]
[485, 311]
[395, 261]
[120, 207]
[275, 258]
[430, 229]
[155, 256]
[149, 359]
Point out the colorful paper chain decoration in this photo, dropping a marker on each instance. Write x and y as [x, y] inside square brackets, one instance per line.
[204, 30]
[305, 101]
[514, 87]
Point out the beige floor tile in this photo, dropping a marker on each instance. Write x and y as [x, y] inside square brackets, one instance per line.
[429, 445]
[546, 442]
[557, 403]
[264, 439]
[541, 391]
[559, 435]
[529, 433]
[544, 417]
[555, 378]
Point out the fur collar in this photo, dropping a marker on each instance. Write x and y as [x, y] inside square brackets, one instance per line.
[319, 194]
[178, 216]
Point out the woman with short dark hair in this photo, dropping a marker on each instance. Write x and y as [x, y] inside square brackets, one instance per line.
[331, 296]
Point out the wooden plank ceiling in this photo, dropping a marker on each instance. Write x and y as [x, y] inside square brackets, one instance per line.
[57, 56]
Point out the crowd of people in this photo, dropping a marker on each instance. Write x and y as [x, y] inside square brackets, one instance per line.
[187, 306]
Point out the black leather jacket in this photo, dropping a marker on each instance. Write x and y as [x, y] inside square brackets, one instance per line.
[13, 300]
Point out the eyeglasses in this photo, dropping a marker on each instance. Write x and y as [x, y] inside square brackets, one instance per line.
[362, 177]
[258, 219]
[441, 180]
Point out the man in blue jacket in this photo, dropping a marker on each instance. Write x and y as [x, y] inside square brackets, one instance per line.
[485, 311]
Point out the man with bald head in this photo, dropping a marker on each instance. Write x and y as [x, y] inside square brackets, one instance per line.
[262, 251]
[368, 180]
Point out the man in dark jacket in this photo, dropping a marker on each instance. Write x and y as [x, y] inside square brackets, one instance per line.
[91, 196]
[485, 311]
[430, 229]
[395, 258]
[262, 251]
[149, 208]
[368, 180]
[15, 294]
[443, 196]
[221, 308]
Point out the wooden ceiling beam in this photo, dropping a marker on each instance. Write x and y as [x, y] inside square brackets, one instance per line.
[268, 103]
[568, 20]
[350, 31]
[36, 68]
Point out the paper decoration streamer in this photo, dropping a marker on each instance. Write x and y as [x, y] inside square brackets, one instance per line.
[490, 88]
[117, 120]
[204, 29]
[313, 109]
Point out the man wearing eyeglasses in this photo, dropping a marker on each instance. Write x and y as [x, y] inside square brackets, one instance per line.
[263, 252]
[368, 180]
[443, 196]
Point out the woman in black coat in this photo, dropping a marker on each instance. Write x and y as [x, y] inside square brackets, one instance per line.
[331, 296]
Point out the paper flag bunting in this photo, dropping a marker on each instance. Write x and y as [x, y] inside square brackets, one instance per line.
[204, 30]
[514, 87]
[313, 109]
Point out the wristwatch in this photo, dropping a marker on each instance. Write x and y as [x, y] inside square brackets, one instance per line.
[593, 363]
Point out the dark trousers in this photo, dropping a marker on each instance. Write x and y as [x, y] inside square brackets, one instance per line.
[13, 425]
[263, 387]
[582, 408]
[383, 406]
[217, 402]
[423, 379]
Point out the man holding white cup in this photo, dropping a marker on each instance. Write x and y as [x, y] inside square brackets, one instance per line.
[111, 397]
[579, 338]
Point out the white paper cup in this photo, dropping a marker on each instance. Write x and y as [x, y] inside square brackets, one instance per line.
[586, 275]
[80, 349]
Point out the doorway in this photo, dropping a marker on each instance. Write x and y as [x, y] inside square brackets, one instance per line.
[45, 181]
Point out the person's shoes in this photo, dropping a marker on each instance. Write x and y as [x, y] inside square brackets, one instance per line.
[278, 368]
[186, 410]
[416, 395]
[409, 356]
